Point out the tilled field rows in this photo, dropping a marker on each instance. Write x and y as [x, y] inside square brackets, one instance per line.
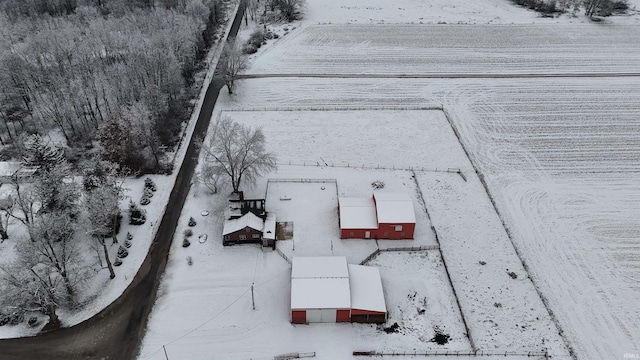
[562, 160]
[433, 49]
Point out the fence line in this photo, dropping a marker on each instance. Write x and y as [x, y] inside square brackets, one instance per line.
[295, 355]
[285, 257]
[411, 248]
[371, 166]
[335, 108]
[538, 354]
[301, 180]
[444, 262]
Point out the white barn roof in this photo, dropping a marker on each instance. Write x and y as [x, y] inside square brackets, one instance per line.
[394, 208]
[319, 267]
[366, 288]
[357, 213]
[249, 219]
[320, 293]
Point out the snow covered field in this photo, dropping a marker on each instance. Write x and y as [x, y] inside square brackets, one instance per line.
[560, 157]
[453, 49]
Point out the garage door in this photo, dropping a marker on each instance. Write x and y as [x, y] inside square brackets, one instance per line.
[314, 316]
[325, 316]
[328, 316]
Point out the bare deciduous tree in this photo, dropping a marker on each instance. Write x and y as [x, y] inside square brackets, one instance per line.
[102, 203]
[239, 152]
[234, 61]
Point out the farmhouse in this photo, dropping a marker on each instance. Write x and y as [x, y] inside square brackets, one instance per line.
[326, 289]
[383, 216]
[248, 223]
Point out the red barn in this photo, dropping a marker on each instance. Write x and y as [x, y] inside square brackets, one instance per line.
[320, 289]
[383, 216]
[326, 289]
[396, 217]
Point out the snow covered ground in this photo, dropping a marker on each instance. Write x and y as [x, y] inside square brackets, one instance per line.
[560, 158]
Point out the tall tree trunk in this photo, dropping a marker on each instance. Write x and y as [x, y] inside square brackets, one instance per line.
[102, 241]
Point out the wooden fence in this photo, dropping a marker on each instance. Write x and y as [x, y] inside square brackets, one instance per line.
[411, 248]
[536, 354]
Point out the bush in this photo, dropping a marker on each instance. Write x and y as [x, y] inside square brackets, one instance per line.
[185, 243]
[144, 200]
[188, 233]
[148, 192]
[192, 222]
[149, 184]
[33, 321]
[4, 319]
[249, 49]
[15, 318]
[118, 262]
[122, 252]
[129, 236]
[127, 243]
[257, 38]
[189, 260]
[137, 216]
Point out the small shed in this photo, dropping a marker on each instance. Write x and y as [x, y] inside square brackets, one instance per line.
[246, 229]
[395, 214]
[320, 289]
[367, 297]
[357, 218]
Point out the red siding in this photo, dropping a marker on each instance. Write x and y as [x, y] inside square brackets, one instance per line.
[358, 233]
[343, 315]
[298, 316]
[365, 312]
[388, 231]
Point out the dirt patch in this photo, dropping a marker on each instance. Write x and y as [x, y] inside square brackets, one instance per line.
[440, 337]
[284, 230]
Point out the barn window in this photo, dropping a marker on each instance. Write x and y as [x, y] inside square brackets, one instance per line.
[255, 236]
[247, 229]
[401, 234]
[398, 227]
[227, 237]
[243, 237]
[351, 233]
[386, 234]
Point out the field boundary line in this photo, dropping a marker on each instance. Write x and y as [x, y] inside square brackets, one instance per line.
[447, 75]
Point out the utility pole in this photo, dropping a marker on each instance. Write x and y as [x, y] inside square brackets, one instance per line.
[252, 298]
[165, 352]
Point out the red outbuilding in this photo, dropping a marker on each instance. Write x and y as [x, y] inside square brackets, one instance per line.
[326, 289]
[383, 216]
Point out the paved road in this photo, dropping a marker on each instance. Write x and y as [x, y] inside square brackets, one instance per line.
[116, 332]
[446, 75]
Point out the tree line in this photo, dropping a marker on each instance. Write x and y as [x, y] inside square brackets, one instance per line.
[591, 8]
[111, 77]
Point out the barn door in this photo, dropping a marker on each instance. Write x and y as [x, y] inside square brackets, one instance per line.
[367, 234]
[328, 316]
[314, 316]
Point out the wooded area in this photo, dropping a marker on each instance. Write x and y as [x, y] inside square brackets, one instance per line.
[106, 77]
